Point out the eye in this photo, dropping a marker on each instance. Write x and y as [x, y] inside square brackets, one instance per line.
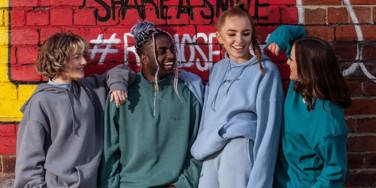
[231, 34]
[247, 33]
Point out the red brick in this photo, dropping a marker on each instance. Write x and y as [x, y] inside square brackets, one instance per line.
[361, 144]
[324, 32]
[8, 136]
[264, 31]
[362, 107]
[37, 17]
[87, 32]
[17, 17]
[369, 32]
[355, 160]
[337, 15]
[363, 2]
[129, 21]
[370, 88]
[9, 163]
[369, 52]
[289, 15]
[84, 17]
[361, 178]
[27, 55]
[47, 32]
[345, 51]
[315, 16]
[198, 19]
[345, 33]
[24, 3]
[355, 86]
[182, 20]
[61, 2]
[367, 125]
[273, 15]
[61, 16]
[25, 73]
[322, 2]
[281, 2]
[374, 15]
[352, 125]
[151, 15]
[370, 160]
[24, 36]
[363, 14]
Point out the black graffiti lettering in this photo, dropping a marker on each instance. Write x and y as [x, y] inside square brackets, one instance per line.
[185, 9]
[163, 10]
[117, 9]
[210, 7]
[106, 8]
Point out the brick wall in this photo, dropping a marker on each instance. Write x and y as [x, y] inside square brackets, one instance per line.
[348, 25]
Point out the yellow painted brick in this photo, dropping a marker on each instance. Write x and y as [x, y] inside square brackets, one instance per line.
[3, 73]
[9, 110]
[4, 55]
[24, 92]
[8, 91]
[4, 17]
[4, 3]
[3, 36]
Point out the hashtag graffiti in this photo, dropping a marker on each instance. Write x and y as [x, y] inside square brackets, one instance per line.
[103, 47]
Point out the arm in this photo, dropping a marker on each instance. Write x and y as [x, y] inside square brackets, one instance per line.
[269, 103]
[116, 79]
[110, 164]
[191, 171]
[333, 151]
[283, 37]
[31, 153]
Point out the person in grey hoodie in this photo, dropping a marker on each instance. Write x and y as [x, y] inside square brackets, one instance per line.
[60, 137]
[239, 131]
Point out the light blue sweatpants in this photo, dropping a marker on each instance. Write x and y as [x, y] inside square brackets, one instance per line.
[230, 168]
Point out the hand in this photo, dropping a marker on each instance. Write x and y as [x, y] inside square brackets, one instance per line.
[273, 47]
[119, 96]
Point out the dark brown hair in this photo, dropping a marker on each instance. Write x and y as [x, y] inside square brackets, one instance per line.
[240, 11]
[56, 51]
[319, 74]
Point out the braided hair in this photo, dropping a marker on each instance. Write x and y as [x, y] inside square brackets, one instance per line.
[145, 32]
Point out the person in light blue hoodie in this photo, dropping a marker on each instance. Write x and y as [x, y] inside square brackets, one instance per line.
[242, 113]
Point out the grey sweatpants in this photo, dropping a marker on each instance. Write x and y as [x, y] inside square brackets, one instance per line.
[229, 168]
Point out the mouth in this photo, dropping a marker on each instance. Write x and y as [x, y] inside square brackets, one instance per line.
[238, 48]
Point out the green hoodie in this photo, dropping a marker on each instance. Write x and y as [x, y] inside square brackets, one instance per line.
[145, 150]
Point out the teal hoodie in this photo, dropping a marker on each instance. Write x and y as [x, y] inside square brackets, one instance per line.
[313, 143]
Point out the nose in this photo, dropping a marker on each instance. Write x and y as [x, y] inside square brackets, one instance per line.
[83, 61]
[171, 54]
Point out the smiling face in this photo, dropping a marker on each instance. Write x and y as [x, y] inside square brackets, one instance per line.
[74, 67]
[236, 36]
[165, 56]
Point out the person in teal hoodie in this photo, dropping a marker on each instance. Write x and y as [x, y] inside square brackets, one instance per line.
[147, 140]
[314, 134]
[239, 132]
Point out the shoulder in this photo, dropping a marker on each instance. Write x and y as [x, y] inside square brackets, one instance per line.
[332, 117]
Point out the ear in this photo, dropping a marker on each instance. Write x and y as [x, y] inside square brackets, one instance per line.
[144, 59]
[219, 37]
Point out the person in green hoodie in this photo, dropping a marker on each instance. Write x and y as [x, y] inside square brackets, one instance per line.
[147, 140]
[314, 135]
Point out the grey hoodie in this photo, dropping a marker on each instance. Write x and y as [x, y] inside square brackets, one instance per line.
[60, 137]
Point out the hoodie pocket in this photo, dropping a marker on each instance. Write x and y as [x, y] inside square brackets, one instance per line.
[62, 181]
[87, 174]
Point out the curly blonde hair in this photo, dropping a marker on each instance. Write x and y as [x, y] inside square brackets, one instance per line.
[56, 51]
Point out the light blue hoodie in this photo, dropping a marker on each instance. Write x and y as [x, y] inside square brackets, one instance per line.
[242, 102]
